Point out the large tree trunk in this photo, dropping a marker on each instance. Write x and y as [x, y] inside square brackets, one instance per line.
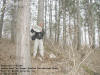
[2, 17]
[23, 39]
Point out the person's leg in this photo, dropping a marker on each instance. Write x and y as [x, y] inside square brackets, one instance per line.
[41, 47]
[36, 44]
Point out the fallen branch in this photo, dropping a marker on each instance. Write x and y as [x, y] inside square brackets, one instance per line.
[83, 60]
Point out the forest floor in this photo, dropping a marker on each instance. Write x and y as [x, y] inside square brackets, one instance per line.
[60, 65]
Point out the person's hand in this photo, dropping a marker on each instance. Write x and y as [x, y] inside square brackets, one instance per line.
[41, 24]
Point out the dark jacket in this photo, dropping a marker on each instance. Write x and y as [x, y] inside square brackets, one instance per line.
[37, 35]
[33, 36]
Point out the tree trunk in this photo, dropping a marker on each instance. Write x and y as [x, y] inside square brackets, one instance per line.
[50, 19]
[98, 26]
[91, 25]
[75, 28]
[99, 30]
[40, 18]
[2, 17]
[23, 39]
[69, 27]
[13, 23]
[45, 18]
[55, 21]
[78, 27]
[58, 22]
[64, 24]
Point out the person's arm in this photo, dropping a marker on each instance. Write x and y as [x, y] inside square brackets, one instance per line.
[32, 31]
[33, 34]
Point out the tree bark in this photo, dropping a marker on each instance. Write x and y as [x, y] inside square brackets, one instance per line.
[23, 39]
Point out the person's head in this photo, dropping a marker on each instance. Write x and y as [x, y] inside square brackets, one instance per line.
[41, 25]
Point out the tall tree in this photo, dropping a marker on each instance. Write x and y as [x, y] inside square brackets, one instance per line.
[13, 22]
[2, 17]
[91, 23]
[75, 25]
[45, 17]
[99, 27]
[40, 18]
[78, 26]
[23, 39]
[98, 18]
[64, 23]
[58, 21]
[50, 18]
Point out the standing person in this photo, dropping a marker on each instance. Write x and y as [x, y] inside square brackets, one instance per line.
[38, 41]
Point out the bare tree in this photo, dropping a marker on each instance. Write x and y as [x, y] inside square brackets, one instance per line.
[2, 17]
[13, 22]
[45, 17]
[50, 18]
[64, 23]
[58, 21]
[23, 39]
[78, 26]
[91, 24]
[40, 18]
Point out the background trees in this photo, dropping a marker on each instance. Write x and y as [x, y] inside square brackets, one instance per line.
[63, 20]
[70, 25]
